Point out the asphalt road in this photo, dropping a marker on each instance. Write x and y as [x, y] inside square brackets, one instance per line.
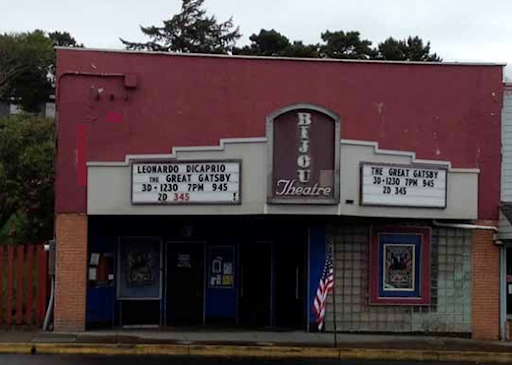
[120, 360]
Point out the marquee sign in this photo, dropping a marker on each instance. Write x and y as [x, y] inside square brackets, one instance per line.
[403, 185]
[303, 143]
[191, 182]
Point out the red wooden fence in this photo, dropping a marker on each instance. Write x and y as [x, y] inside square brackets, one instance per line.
[23, 272]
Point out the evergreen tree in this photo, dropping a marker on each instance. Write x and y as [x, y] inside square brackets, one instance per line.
[190, 31]
[271, 43]
[27, 66]
[301, 50]
[347, 45]
[64, 39]
[410, 49]
[266, 43]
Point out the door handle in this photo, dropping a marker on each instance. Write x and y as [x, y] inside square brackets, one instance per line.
[297, 283]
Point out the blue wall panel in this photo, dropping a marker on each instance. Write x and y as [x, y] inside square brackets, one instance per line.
[100, 304]
[317, 251]
[220, 301]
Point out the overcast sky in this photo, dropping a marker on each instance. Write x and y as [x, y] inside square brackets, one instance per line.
[459, 30]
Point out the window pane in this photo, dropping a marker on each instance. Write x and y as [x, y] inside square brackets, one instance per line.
[509, 281]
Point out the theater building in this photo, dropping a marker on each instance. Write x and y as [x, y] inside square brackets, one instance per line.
[205, 190]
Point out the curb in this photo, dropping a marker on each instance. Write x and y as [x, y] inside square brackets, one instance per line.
[16, 348]
[269, 352]
[102, 349]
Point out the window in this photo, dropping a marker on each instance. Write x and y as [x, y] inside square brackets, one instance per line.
[509, 281]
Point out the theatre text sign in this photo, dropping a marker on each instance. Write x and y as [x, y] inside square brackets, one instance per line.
[403, 185]
[304, 155]
[196, 182]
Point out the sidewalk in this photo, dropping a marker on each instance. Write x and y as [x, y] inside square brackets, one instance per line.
[293, 344]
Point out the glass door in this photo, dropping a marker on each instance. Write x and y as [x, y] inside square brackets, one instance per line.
[139, 281]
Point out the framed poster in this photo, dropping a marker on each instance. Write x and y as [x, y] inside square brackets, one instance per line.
[221, 273]
[139, 261]
[400, 266]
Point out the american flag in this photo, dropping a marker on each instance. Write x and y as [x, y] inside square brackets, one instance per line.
[324, 288]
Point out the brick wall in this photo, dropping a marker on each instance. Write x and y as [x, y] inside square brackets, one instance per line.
[485, 293]
[71, 265]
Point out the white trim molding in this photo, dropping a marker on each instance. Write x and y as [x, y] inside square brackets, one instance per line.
[176, 150]
[410, 154]
[224, 141]
[271, 58]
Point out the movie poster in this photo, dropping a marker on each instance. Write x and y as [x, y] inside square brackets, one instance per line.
[139, 268]
[399, 267]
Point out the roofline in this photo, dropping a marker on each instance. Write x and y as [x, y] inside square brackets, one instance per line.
[209, 55]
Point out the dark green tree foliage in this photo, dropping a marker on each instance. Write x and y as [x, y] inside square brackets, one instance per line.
[271, 43]
[335, 45]
[391, 49]
[410, 49]
[61, 39]
[26, 179]
[301, 50]
[193, 31]
[190, 31]
[266, 43]
[346, 46]
[340, 45]
[25, 59]
[27, 66]
[64, 39]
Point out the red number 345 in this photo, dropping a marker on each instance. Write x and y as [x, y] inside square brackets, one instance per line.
[183, 197]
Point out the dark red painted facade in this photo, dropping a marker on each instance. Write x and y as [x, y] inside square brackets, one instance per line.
[441, 112]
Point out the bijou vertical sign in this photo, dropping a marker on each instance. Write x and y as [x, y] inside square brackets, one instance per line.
[303, 142]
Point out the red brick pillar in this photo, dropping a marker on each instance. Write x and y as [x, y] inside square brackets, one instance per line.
[71, 271]
[485, 284]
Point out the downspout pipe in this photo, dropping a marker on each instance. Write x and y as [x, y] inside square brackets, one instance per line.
[49, 311]
[50, 247]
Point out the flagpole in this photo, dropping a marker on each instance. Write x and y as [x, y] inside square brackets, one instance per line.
[334, 296]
